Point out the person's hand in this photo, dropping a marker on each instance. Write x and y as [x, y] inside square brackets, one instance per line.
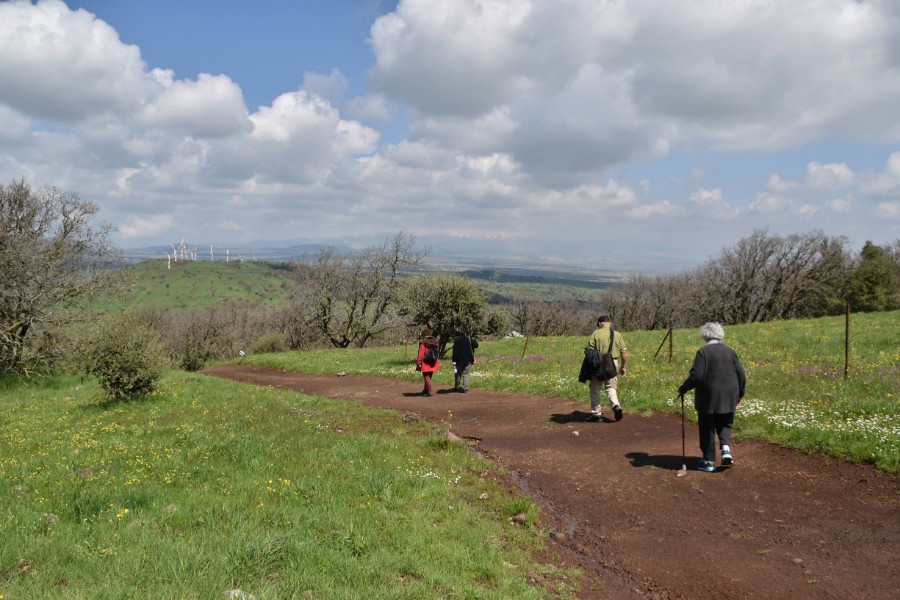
[622, 371]
[738, 405]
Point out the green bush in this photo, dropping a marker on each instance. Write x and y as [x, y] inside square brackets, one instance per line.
[126, 355]
[269, 342]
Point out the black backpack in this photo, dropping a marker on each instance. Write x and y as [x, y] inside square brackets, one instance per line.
[431, 355]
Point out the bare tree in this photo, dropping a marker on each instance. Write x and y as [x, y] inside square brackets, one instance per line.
[649, 302]
[355, 296]
[765, 277]
[893, 251]
[297, 319]
[760, 278]
[533, 317]
[51, 256]
[219, 331]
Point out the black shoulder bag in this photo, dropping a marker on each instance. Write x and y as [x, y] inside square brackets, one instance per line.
[607, 368]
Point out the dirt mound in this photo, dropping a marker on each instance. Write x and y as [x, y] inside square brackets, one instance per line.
[777, 524]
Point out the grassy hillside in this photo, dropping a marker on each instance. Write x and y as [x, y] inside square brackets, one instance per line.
[796, 393]
[196, 284]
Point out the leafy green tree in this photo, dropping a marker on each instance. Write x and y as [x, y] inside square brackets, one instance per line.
[875, 283]
[445, 304]
[51, 257]
[126, 355]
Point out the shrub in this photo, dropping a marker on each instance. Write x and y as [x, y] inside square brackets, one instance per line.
[126, 356]
[269, 342]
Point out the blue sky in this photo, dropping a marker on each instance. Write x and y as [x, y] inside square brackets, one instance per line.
[625, 135]
[265, 47]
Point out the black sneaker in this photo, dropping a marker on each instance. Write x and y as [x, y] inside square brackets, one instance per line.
[618, 410]
[595, 418]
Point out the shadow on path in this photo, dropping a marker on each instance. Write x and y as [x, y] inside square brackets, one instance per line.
[577, 416]
[661, 461]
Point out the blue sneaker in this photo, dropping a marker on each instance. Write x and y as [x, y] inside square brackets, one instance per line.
[706, 465]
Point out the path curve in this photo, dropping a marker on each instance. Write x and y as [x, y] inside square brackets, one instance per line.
[778, 524]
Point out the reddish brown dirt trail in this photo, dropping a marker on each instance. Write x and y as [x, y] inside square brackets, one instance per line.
[778, 524]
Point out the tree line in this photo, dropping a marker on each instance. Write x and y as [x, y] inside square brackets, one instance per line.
[53, 256]
[765, 277]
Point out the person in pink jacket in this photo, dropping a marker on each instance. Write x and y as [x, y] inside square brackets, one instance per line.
[427, 367]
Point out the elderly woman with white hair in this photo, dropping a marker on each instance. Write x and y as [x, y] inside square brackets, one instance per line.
[719, 381]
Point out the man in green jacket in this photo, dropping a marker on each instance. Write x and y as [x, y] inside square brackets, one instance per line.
[600, 341]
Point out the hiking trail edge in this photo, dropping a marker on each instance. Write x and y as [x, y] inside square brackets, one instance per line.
[777, 524]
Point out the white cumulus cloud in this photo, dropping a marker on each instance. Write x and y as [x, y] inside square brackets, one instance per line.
[66, 65]
[212, 106]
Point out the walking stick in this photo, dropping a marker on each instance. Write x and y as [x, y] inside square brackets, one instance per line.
[683, 471]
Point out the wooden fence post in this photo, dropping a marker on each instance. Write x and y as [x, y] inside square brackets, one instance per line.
[668, 334]
[671, 337]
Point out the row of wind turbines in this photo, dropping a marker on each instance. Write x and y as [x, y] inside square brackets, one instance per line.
[182, 252]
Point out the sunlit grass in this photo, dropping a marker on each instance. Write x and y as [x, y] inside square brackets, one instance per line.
[195, 284]
[209, 486]
[796, 393]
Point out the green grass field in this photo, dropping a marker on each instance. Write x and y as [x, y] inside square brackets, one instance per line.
[796, 393]
[210, 486]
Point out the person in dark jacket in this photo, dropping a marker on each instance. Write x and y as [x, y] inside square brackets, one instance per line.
[719, 381]
[427, 369]
[463, 359]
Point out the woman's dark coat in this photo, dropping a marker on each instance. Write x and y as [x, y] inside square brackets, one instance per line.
[719, 379]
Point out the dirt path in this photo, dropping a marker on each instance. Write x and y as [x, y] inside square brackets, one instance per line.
[778, 524]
